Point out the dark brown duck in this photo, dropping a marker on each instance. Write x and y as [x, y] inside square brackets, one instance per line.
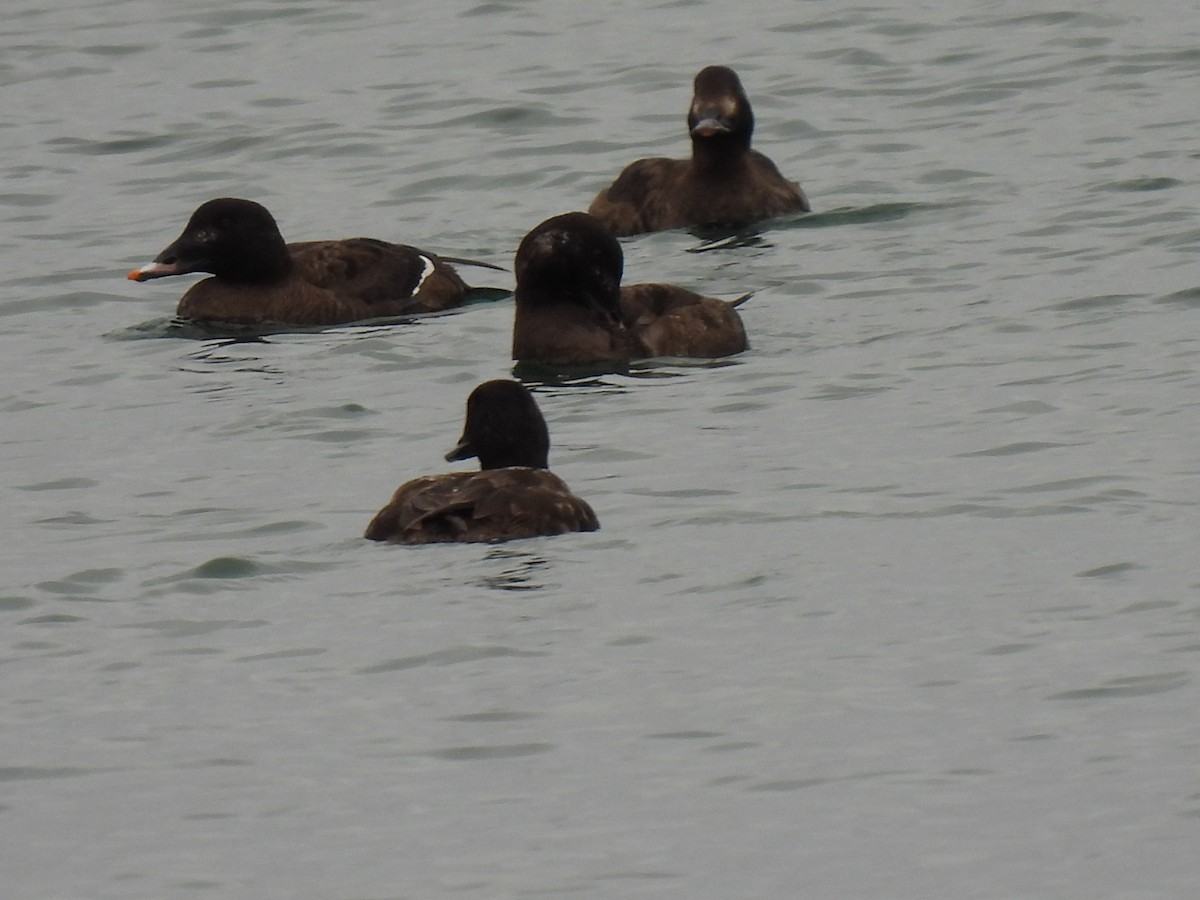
[514, 495]
[258, 278]
[724, 183]
[572, 310]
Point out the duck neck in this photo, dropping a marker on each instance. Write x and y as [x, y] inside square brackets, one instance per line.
[718, 155]
[263, 260]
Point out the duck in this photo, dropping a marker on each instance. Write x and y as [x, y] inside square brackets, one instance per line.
[571, 308]
[513, 495]
[257, 278]
[725, 182]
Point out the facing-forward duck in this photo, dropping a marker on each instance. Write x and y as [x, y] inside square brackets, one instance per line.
[725, 182]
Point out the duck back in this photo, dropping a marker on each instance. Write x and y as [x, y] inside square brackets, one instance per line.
[485, 506]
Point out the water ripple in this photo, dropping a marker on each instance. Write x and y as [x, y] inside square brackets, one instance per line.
[1130, 686]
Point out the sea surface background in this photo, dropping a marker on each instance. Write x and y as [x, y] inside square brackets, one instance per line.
[901, 603]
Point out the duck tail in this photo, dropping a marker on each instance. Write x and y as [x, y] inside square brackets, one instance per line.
[462, 261]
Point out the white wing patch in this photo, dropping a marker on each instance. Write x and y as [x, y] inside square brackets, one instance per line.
[426, 271]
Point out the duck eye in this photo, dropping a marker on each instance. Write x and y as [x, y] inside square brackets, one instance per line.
[204, 236]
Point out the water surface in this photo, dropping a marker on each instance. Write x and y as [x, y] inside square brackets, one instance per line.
[900, 603]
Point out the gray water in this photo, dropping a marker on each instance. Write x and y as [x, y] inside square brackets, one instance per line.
[902, 603]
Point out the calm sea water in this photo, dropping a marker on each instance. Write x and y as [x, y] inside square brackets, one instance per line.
[902, 603]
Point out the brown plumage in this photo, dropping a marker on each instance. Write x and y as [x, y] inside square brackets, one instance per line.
[257, 278]
[572, 310]
[724, 183]
[513, 496]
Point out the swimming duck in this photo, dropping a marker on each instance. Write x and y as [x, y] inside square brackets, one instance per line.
[258, 278]
[514, 495]
[571, 308]
[724, 183]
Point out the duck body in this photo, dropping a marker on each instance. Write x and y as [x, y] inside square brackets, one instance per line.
[660, 194]
[487, 506]
[673, 321]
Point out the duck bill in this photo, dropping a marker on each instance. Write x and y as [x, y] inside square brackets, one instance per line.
[463, 450]
[154, 270]
[710, 127]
